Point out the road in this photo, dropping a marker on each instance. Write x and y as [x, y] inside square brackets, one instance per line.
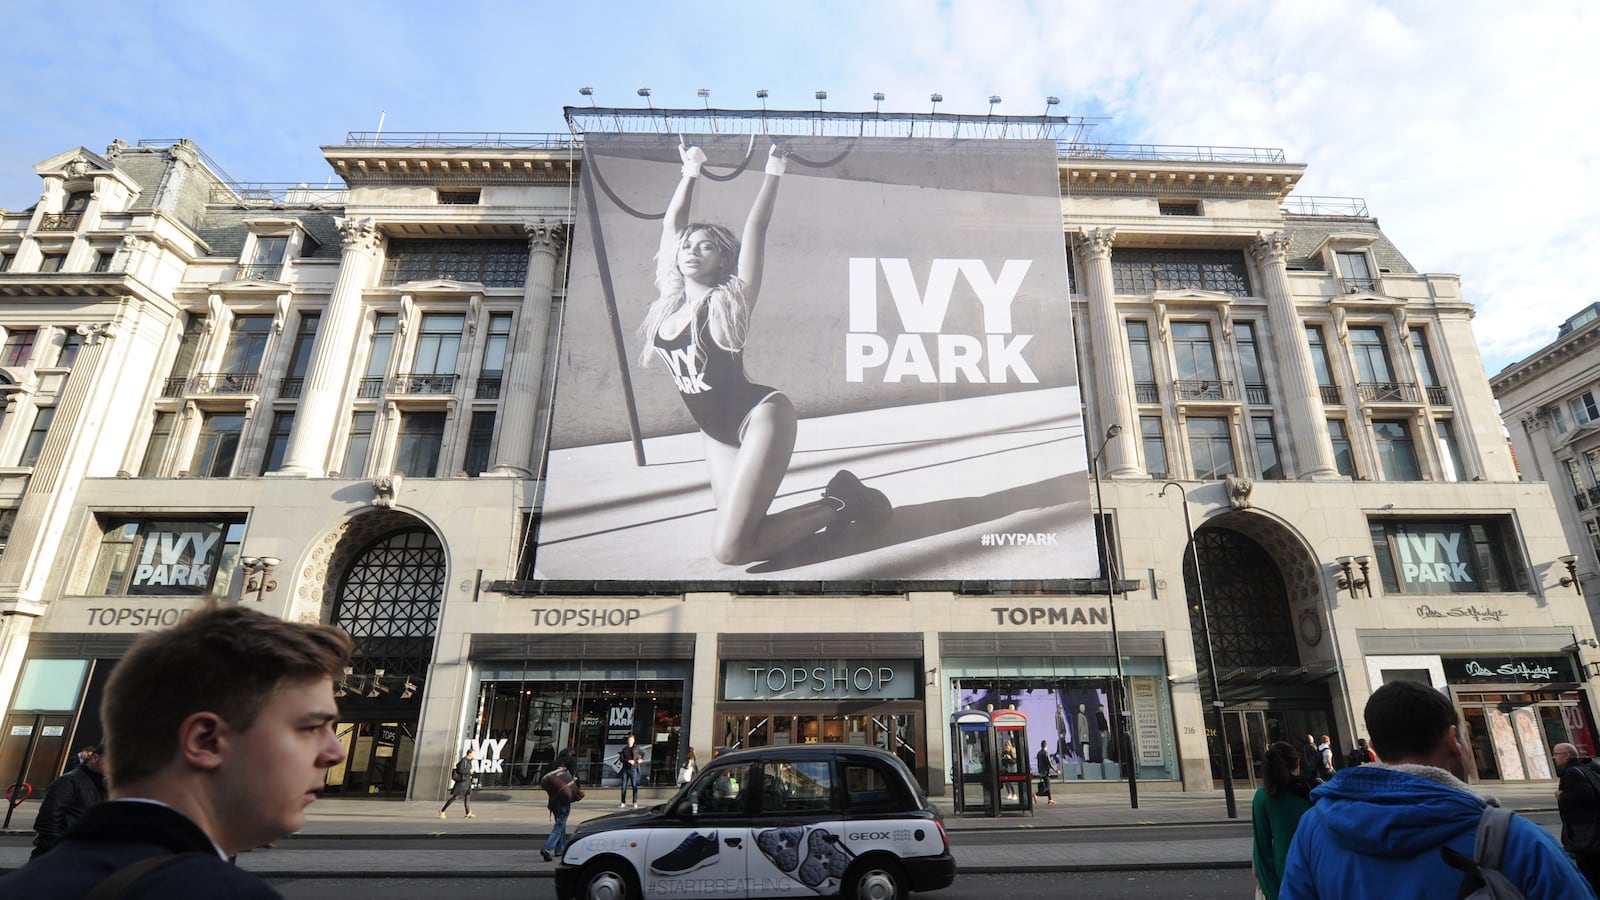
[1209, 884]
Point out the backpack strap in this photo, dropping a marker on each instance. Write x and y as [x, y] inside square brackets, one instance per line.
[1493, 827]
[114, 884]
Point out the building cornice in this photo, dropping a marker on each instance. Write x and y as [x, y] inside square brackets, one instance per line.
[1176, 178]
[1583, 342]
[466, 166]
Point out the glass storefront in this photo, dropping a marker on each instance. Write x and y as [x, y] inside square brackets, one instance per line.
[527, 715]
[896, 732]
[1515, 709]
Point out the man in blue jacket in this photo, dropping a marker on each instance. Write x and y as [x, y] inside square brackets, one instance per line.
[1376, 830]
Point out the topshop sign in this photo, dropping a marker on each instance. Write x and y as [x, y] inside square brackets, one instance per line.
[827, 679]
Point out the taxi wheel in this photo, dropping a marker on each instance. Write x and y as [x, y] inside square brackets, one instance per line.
[874, 878]
[607, 880]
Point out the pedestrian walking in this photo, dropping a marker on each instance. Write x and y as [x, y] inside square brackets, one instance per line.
[690, 768]
[1284, 796]
[461, 786]
[68, 798]
[560, 804]
[1046, 769]
[629, 757]
[1578, 799]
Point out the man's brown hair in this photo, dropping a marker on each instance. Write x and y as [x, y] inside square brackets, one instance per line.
[222, 659]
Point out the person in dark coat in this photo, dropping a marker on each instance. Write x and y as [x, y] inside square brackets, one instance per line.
[67, 799]
[461, 786]
[1046, 769]
[1578, 799]
[219, 733]
[556, 843]
[1310, 758]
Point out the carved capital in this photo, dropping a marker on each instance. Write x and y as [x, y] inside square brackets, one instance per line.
[94, 332]
[357, 233]
[545, 237]
[1095, 243]
[1271, 248]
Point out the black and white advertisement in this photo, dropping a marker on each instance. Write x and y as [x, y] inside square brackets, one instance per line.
[816, 358]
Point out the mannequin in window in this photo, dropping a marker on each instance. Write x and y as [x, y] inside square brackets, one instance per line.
[1083, 732]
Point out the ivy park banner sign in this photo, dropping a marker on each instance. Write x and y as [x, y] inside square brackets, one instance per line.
[816, 358]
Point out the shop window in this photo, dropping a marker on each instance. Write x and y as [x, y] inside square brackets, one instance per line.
[19, 347]
[1440, 556]
[51, 684]
[189, 557]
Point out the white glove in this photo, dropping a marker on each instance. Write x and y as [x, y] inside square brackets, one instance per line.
[693, 158]
[777, 160]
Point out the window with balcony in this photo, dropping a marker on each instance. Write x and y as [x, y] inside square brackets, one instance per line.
[1210, 447]
[218, 445]
[1139, 270]
[1142, 361]
[247, 344]
[1155, 446]
[1374, 373]
[160, 439]
[1355, 274]
[1196, 361]
[266, 258]
[19, 347]
[71, 214]
[149, 556]
[278, 441]
[417, 450]
[480, 437]
[1426, 556]
[305, 338]
[355, 450]
[433, 364]
[1343, 455]
[495, 345]
[379, 347]
[33, 445]
[1255, 384]
[1449, 450]
[1397, 451]
[494, 263]
[1320, 364]
[1267, 448]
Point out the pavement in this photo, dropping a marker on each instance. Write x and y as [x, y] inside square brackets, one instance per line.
[1088, 831]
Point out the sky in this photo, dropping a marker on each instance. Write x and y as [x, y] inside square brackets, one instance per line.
[1467, 126]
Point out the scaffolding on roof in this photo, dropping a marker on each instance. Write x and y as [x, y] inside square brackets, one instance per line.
[1068, 130]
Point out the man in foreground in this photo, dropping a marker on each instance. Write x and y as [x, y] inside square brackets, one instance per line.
[220, 733]
[1377, 830]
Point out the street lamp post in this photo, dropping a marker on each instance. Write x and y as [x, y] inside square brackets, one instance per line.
[1125, 741]
[1211, 656]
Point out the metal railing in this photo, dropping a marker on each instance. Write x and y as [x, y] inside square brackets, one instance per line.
[1581, 497]
[1173, 152]
[486, 139]
[422, 383]
[1331, 395]
[287, 193]
[1256, 395]
[1204, 389]
[1389, 392]
[1146, 392]
[60, 221]
[211, 383]
[370, 388]
[259, 272]
[1357, 285]
[488, 388]
[1311, 205]
[290, 388]
[1438, 395]
[1594, 496]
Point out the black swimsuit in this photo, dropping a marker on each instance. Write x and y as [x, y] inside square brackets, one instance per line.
[711, 380]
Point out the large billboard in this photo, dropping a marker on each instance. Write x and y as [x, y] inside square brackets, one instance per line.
[816, 359]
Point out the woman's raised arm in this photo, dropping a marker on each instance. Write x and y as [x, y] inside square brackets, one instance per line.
[677, 216]
[753, 244]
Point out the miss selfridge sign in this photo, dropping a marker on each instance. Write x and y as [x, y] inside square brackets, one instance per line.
[818, 679]
[1513, 669]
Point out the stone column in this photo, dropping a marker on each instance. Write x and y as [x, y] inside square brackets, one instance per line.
[520, 389]
[321, 400]
[1108, 353]
[1298, 394]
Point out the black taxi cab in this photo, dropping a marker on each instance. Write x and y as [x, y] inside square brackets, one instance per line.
[779, 821]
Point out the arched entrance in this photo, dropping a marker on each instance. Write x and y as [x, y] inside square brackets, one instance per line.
[1276, 682]
[388, 599]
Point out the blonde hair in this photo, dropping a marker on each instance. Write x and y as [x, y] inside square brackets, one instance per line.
[728, 312]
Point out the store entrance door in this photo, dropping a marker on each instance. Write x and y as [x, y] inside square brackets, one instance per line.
[378, 757]
[899, 732]
[1246, 731]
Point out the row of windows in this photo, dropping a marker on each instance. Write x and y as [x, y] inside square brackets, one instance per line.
[1212, 454]
[21, 344]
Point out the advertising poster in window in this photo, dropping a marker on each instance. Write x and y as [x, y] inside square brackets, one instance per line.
[816, 358]
[176, 558]
[1436, 559]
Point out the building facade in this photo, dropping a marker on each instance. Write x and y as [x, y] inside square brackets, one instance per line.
[1548, 401]
[334, 404]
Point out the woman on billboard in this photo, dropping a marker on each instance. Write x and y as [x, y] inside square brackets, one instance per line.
[707, 283]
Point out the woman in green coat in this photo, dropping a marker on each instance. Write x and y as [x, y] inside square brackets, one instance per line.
[1284, 796]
